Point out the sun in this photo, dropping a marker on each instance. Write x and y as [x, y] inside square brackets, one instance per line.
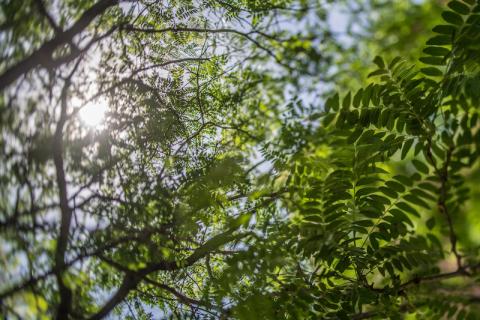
[93, 113]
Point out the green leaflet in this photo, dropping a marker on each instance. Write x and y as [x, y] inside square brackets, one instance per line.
[431, 71]
[436, 51]
[459, 7]
[452, 17]
[420, 166]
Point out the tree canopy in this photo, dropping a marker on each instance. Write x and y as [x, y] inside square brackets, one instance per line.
[239, 159]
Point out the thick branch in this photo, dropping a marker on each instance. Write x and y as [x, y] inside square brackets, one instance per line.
[66, 212]
[43, 55]
[141, 236]
[130, 281]
[132, 278]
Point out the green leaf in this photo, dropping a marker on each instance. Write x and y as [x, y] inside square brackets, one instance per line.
[395, 186]
[434, 61]
[332, 103]
[420, 193]
[364, 223]
[406, 147]
[406, 207]
[473, 19]
[397, 264]
[379, 62]
[418, 148]
[430, 223]
[354, 136]
[416, 176]
[428, 186]
[365, 137]
[459, 7]
[439, 41]
[405, 262]
[367, 93]
[452, 17]
[368, 180]
[390, 269]
[328, 119]
[365, 191]
[407, 181]
[380, 199]
[388, 192]
[357, 98]
[415, 200]
[431, 71]
[437, 51]
[384, 117]
[394, 62]
[400, 124]
[371, 212]
[445, 29]
[473, 120]
[420, 166]
[378, 72]
[374, 241]
[346, 101]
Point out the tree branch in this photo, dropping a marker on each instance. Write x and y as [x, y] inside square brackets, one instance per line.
[43, 55]
[180, 296]
[66, 212]
[130, 281]
[133, 278]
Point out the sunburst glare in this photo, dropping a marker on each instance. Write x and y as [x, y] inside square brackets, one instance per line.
[93, 113]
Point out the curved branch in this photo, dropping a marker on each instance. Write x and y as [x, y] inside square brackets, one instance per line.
[43, 55]
[133, 278]
[66, 212]
[130, 281]
[179, 295]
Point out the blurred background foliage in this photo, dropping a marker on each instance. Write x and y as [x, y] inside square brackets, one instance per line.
[225, 179]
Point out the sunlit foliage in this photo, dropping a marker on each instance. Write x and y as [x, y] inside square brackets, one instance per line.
[239, 159]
